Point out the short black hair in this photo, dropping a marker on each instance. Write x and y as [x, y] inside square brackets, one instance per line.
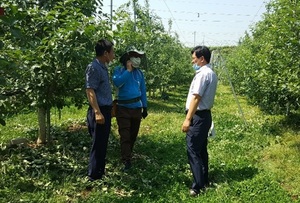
[202, 51]
[103, 45]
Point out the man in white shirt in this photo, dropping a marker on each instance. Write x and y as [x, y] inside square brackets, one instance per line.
[198, 117]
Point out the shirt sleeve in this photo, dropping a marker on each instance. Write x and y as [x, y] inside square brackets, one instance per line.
[120, 76]
[92, 77]
[200, 84]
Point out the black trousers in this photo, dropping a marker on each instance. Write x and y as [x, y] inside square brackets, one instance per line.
[129, 121]
[100, 134]
[196, 140]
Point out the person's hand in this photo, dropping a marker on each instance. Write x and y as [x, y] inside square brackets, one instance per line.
[144, 113]
[129, 66]
[99, 118]
[186, 125]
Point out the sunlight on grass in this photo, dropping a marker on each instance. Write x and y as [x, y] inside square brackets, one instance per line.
[161, 124]
[282, 158]
[19, 126]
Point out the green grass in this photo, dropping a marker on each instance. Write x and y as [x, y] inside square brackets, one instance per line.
[253, 162]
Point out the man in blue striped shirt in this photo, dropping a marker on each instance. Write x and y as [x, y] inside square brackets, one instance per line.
[99, 94]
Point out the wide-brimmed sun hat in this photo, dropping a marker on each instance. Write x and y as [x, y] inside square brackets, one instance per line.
[132, 51]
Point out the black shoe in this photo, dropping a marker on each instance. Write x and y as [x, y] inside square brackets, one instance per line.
[127, 166]
[193, 193]
[95, 178]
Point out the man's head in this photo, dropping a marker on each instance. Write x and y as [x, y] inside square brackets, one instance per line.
[200, 55]
[104, 49]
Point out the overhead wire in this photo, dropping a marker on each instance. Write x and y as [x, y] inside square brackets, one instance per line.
[210, 3]
[180, 23]
[257, 12]
[173, 17]
[252, 21]
[205, 13]
[219, 21]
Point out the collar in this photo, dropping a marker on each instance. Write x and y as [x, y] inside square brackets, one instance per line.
[202, 67]
[100, 63]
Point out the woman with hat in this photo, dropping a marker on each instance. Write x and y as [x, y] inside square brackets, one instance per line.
[131, 101]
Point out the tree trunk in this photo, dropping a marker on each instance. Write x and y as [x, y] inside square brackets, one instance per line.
[49, 138]
[150, 92]
[42, 126]
[153, 92]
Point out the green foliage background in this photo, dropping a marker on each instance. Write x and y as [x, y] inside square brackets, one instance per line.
[265, 66]
[46, 45]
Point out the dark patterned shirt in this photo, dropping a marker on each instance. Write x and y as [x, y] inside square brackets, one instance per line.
[97, 78]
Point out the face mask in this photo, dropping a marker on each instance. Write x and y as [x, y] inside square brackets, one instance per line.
[135, 61]
[196, 67]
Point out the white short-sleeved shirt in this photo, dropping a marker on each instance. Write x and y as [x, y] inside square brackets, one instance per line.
[204, 84]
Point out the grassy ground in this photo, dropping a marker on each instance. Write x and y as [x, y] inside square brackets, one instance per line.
[256, 160]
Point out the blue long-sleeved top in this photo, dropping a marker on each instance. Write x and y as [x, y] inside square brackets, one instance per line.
[130, 85]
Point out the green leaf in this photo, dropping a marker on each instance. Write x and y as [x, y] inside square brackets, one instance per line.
[17, 33]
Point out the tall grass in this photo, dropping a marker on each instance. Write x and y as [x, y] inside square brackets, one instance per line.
[253, 162]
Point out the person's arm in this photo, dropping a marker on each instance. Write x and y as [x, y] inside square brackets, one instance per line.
[143, 95]
[94, 104]
[192, 109]
[143, 89]
[120, 76]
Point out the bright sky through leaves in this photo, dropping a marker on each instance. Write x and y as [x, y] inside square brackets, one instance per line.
[213, 23]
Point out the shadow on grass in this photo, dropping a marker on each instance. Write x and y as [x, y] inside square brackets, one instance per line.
[292, 121]
[218, 175]
[156, 106]
[171, 101]
[277, 126]
[160, 169]
[26, 169]
[158, 166]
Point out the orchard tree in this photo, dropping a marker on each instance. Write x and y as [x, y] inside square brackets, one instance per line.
[46, 46]
[265, 66]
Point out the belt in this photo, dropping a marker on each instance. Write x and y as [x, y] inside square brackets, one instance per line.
[105, 107]
[198, 112]
[129, 101]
